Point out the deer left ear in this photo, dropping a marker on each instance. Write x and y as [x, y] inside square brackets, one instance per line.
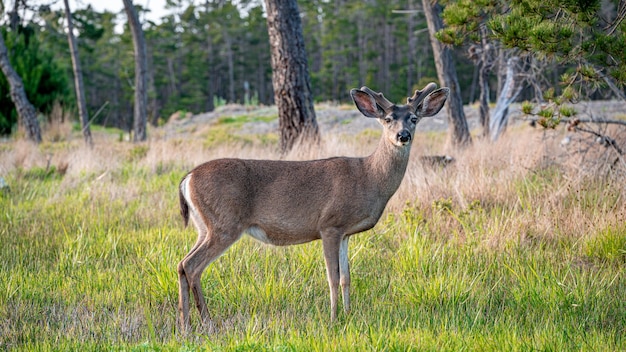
[366, 103]
[432, 103]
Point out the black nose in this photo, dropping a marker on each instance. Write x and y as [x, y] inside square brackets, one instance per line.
[404, 136]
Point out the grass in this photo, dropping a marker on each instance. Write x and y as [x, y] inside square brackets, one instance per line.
[225, 132]
[501, 251]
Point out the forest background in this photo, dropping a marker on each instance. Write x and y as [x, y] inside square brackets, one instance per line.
[209, 53]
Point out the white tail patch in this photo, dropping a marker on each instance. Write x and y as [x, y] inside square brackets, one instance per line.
[194, 214]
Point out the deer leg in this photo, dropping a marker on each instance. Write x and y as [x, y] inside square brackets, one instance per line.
[183, 279]
[331, 240]
[344, 273]
[183, 284]
[183, 300]
[193, 266]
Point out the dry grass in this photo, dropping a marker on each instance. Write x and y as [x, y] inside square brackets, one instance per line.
[486, 175]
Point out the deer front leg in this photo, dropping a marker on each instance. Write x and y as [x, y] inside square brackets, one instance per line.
[331, 240]
[344, 273]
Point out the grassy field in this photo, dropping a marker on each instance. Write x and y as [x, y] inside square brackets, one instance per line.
[515, 246]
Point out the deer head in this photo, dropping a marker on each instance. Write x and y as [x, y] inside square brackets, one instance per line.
[399, 121]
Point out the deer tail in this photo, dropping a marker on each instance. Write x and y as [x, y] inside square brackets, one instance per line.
[184, 207]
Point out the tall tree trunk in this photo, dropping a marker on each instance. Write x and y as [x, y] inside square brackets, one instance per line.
[458, 132]
[510, 91]
[412, 52]
[78, 77]
[290, 78]
[361, 43]
[25, 110]
[483, 83]
[141, 70]
[486, 65]
[231, 65]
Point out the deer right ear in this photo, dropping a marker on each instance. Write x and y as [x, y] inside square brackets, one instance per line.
[366, 104]
[433, 102]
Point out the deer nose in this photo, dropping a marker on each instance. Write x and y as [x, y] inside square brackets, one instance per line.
[404, 136]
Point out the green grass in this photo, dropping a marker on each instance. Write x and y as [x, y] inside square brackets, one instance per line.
[89, 263]
[225, 132]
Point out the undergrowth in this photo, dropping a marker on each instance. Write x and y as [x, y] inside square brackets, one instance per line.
[525, 258]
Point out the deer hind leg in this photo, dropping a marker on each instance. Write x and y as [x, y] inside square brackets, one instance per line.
[193, 265]
[331, 240]
[344, 273]
[183, 286]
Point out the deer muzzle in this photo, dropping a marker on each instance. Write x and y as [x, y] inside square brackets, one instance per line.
[404, 137]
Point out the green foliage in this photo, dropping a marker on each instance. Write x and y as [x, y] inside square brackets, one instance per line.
[569, 32]
[464, 18]
[44, 81]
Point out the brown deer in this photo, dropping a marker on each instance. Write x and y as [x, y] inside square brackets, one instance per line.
[292, 202]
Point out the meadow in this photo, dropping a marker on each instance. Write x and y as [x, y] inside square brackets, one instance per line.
[517, 245]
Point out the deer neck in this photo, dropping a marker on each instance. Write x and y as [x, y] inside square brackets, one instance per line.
[387, 165]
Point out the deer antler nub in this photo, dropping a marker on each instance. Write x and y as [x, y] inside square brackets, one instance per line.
[379, 98]
[419, 95]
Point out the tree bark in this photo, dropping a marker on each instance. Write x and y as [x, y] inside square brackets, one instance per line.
[458, 132]
[486, 65]
[78, 77]
[290, 77]
[25, 110]
[483, 82]
[141, 69]
[509, 93]
[411, 54]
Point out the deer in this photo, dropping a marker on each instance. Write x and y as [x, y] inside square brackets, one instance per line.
[281, 202]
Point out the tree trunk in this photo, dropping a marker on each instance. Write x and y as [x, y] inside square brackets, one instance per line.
[78, 77]
[230, 59]
[483, 83]
[411, 54]
[141, 70]
[509, 93]
[25, 110]
[458, 132]
[486, 65]
[290, 78]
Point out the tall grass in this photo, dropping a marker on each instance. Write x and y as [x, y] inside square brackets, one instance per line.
[508, 248]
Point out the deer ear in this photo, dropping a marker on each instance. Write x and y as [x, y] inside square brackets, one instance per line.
[366, 104]
[433, 102]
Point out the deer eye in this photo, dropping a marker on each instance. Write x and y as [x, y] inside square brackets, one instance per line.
[413, 119]
[388, 119]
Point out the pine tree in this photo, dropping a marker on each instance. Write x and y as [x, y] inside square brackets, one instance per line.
[586, 34]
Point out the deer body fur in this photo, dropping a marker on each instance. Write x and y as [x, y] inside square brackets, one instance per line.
[293, 202]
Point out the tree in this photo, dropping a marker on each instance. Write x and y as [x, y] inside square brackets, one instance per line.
[588, 35]
[141, 73]
[78, 77]
[25, 110]
[458, 130]
[466, 24]
[292, 88]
